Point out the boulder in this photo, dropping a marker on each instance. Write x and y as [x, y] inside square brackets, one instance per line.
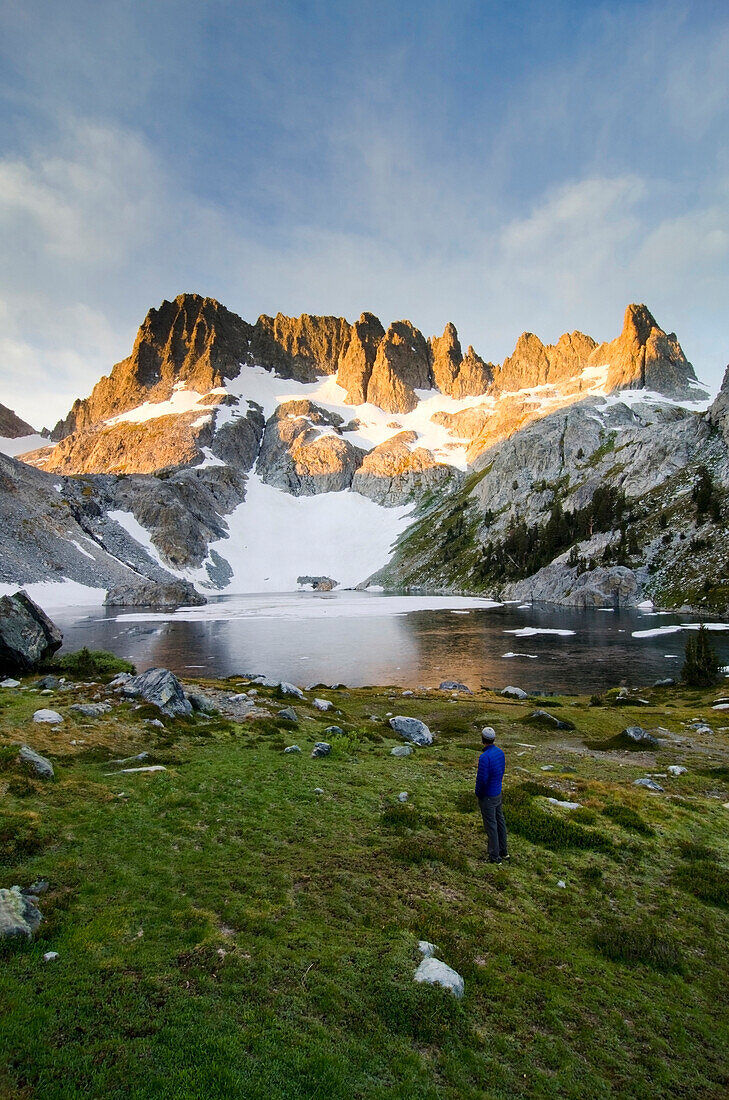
[162, 689]
[563, 804]
[90, 710]
[318, 584]
[649, 784]
[19, 915]
[150, 594]
[288, 714]
[334, 731]
[514, 693]
[290, 689]
[403, 796]
[412, 729]
[454, 685]
[27, 635]
[321, 748]
[546, 720]
[323, 704]
[401, 750]
[10, 683]
[638, 736]
[676, 769]
[292, 748]
[434, 972]
[48, 683]
[666, 682]
[201, 704]
[51, 717]
[427, 949]
[38, 764]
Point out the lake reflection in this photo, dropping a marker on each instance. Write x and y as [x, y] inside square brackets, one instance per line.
[362, 638]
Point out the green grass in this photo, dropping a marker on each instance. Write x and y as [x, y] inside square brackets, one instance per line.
[223, 931]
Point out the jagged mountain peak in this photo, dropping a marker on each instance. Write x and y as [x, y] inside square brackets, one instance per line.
[11, 425]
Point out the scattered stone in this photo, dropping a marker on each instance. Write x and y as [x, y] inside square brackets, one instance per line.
[720, 706]
[37, 763]
[288, 714]
[561, 884]
[131, 771]
[454, 685]
[50, 956]
[323, 704]
[548, 721]
[292, 748]
[335, 731]
[131, 759]
[10, 683]
[40, 886]
[201, 704]
[321, 748]
[401, 750]
[427, 949]
[290, 689]
[120, 680]
[649, 784]
[434, 972]
[27, 635]
[667, 682]
[90, 710]
[512, 692]
[676, 769]
[547, 767]
[638, 736]
[412, 729]
[162, 689]
[564, 805]
[48, 683]
[625, 699]
[155, 723]
[408, 692]
[318, 584]
[403, 796]
[19, 916]
[252, 692]
[318, 790]
[52, 717]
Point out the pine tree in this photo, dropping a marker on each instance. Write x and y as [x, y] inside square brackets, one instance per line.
[701, 665]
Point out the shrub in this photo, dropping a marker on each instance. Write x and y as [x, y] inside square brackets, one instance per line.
[628, 818]
[20, 838]
[705, 880]
[701, 665]
[638, 944]
[529, 820]
[692, 851]
[91, 664]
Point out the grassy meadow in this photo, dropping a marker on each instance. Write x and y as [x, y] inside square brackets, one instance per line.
[225, 931]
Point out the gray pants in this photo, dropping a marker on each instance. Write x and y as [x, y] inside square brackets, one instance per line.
[494, 825]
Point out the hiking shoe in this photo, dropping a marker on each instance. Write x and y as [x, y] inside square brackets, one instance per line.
[506, 858]
[494, 859]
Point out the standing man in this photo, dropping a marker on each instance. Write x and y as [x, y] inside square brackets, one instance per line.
[491, 767]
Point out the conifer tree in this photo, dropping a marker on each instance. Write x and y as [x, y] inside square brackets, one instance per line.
[701, 665]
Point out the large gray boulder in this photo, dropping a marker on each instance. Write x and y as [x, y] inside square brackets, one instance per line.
[160, 687]
[412, 729]
[27, 635]
[434, 972]
[19, 916]
[38, 764]
[150, 594]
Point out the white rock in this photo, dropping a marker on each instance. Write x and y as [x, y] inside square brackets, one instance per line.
[318, 790]
[130, 771]
[10, 683]
[427, 949]
[512, 692]
[676, 769]
[412, 729]
[562, 884]
[407, 693]
[547, 767]
[292, 748]
[720, 706]
[403, 796]
[52, 717]
[50, 956]
[323, 704]
[649, 784]
[564, 805]
[434, 972]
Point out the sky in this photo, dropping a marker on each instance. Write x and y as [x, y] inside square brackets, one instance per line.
[508, 166]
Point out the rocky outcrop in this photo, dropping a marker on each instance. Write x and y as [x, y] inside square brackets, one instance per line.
[27, 635]
[356, 363]
[11, 426]
[617, 586]
[299, 347]
[395, 472]
[718, 415]
[174, 594]
[318, 584]
[303, 453]
[454, 374]
[533, 363]
[193, 340]
[402, 366]
[162, 689]
[644, 356]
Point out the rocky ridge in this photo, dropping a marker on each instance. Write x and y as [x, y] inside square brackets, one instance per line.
[11, 425]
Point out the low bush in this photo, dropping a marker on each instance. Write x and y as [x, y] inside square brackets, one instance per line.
[638, 943]
[692, 851]
[91, 664]
[420, 849]
[628, 818]
[527, 819]
[705, 880]
[20, 838]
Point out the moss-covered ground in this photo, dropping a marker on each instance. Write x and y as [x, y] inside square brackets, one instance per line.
[225, 931]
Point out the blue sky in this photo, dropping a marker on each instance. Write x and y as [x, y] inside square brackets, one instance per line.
[507, 166]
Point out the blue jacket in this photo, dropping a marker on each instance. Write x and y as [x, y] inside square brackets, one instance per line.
[491, 767]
